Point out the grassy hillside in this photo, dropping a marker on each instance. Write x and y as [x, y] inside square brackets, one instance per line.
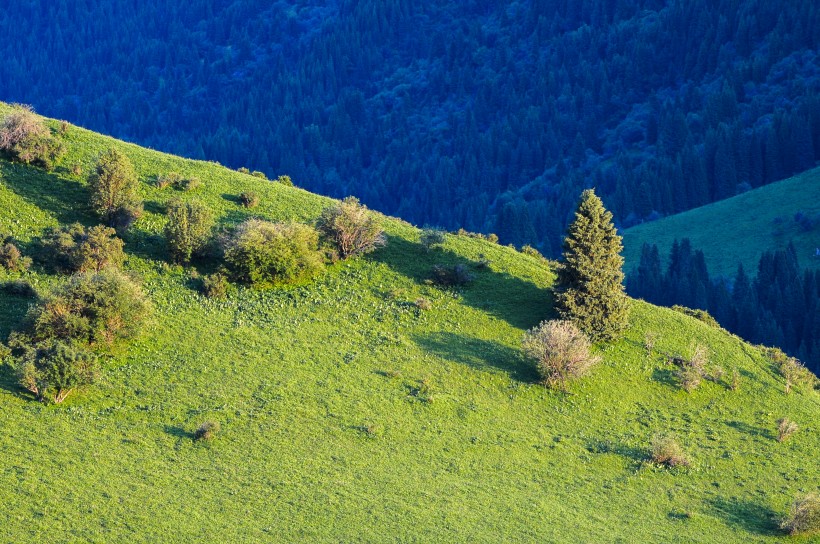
[740, 229]
[348, 415]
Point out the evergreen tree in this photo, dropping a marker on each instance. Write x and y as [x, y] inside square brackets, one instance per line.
[590, 288]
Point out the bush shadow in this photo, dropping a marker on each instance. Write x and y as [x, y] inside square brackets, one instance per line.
[64, 199]
[178, 432]
[665, 376]
[747, 515]
[751, 430]
[478, 353]
[519, 302]
[636, 456]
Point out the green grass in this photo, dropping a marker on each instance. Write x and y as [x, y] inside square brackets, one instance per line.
[739, 229]
[348, 415]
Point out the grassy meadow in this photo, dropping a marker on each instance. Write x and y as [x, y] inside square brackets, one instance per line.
[348, 414]
[740, 229]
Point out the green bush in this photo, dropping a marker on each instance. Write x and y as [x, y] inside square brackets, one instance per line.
[804, 516]
[114, 190]
[265, 253]
[52, 369]
[24, 137]
[249, 199]
[351, 228]
[700, 315]
[12, 259]
[285, 180]
[171, 179]
[189, 184]
[258, 174]
[531, 251]
[667, 451]
[791, 369]
[215, 285]
[560, 351]
[207, 430]
[188, 229]
[431, 237]
[451, 276]
[79, 249]
[691, 371]
[90, 308]
[243, 170]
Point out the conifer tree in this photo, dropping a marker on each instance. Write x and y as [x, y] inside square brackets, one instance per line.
[590, 288]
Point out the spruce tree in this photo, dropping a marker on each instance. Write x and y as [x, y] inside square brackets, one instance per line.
[590, 290]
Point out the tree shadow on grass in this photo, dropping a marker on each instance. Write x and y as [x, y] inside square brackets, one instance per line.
[666, 376]
[519, 302]
[65, 199]
[747, 515]
[13, 309]
[478, 353]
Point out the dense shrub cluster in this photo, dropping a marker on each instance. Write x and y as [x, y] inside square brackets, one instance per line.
[667, 451]
[431, 237]
[11, 258]
[76, 248]
[265, 253]
[215, 285]
[188, 229]
[114, 190]
[804, 516]
[25, 137]
[351, 228]
[561, 352]
[249, 199]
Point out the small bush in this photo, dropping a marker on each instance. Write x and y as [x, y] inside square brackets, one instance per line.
[90, 307]
[492, 238]
[215, 285]
[243, 170]
[75, 248]
[52, 369]
[188, 229]
[423, 304]
[114, 190]
[431, 237]
[451, 276]
[189, 184]
[649, 341]
[77, 170]
[531, 251]
[351, 228]
[700, 315]
[667, 451]
[249, 199]
[561, 352]
[285, 180]
[12, 259]
[785, 429]
[24, 137]
[171, 179]
[207, 430]
[804, 516]
[791, 369]
[734, 385]
[265, 253]
[691, 371]
[258, 174]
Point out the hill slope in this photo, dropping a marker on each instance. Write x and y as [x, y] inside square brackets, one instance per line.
[348, 415]
[740, 229]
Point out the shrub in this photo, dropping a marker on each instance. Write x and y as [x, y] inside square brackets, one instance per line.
[531, 251]
[735, 383]
[77, 170]
[52, 369]
[667, 451]
[215, 285]
[700, 315]
[258, 174]
[207, 430]
[691, 371]
[423, 304]
[90, 307]
[243, 170]
[249, 199]
[188, 229]
[189, 184]
[492, 238]
[561, 352]
[451, 276]
[785, 429]
[265, 253]
[649, 341]
[12, 259]
[171, 179]
[24, 137]
[431, 237]
[351, 228]
[285, 180]
[79, 249]
[113, 184]
[804, 516]
[791, 369]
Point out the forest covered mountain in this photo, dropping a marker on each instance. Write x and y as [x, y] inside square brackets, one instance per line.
[491, 116]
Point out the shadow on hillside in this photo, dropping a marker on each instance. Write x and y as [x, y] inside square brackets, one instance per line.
[747, 515]
[519, 302]
[751, 430]
[66, 200]
[478, 353]
[13, 309]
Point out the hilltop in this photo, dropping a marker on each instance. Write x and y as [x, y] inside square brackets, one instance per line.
[740, 229]
[350, 414]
